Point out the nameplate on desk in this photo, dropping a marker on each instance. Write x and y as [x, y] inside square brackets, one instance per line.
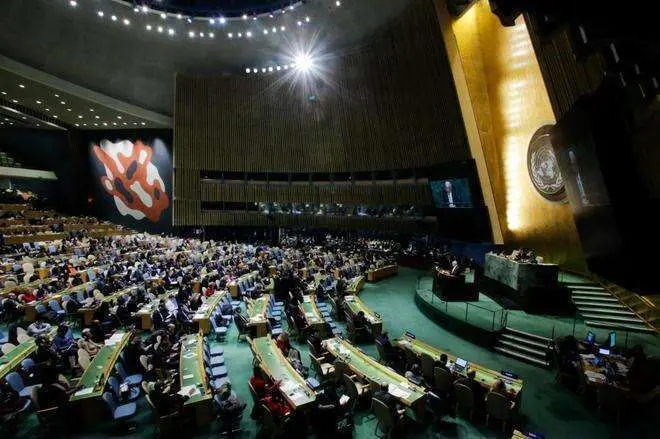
[531, 434]
[509, 374]
[409, 335]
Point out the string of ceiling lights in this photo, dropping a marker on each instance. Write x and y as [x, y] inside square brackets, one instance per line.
[171, 23]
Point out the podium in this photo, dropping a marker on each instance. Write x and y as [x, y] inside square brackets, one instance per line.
[451, 287]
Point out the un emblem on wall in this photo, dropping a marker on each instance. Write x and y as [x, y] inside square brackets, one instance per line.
[543, 168]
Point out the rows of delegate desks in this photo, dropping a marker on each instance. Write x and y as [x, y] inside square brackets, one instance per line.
[193, 379]
[313, 315]
[257, 310]
[204, 313]
[353, 305]
[88, 312]
[377, 374]
[292, 386]
[486, 377]
[12, 360]
[92, 383]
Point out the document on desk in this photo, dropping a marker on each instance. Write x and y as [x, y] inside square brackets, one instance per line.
[187, 377]
[191, 390]
[398, 392]
[85, 391]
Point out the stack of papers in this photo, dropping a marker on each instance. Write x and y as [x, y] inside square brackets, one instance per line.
[85, 391]
[116, 338]
[397, 392]
[306, 299]
[595, 376]
[189, 391]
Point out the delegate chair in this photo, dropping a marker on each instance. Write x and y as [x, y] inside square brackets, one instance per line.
[83, 359]
[50, 420]
[356, 391]
[131, 380]
[165, 424]
[464, 399]
[322, 369]
[133, 393]
[119, 412]
[443, 380]
[213, 351]
[220, 332]
[16, 383]
[498, 407]
[386, 421]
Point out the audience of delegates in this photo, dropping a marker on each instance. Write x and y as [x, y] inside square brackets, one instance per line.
[116, 276]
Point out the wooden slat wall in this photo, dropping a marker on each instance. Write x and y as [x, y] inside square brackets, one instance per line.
[391, 104]
[215, 218]
[566, 76]
[419, 195]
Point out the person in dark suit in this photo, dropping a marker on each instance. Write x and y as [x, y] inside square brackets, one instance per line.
[450, 198]
[477, 390]
[160, 316]
[384, 396]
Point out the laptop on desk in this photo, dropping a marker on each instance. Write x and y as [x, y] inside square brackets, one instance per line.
[460, 365]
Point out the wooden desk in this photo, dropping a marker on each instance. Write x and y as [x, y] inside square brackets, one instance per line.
[257, 311]
[192, 375]
[354, 305]
[203, 315]
[313, 315]
[145, 312]
[486, 377]
[31, 308]
[382, 272]
[12, 360]
[197, 283]
[12, 207]
[29, 285]
[93, 381]
[88, 313]
[271, 360]
[20, 239]
[355, 285]
[594, 374]
[376, 374]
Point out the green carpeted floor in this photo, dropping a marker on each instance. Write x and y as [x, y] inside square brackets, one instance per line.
[547, 408]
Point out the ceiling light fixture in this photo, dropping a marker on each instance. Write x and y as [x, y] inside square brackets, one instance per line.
[21, 85]
[113, 18]
[73, 3]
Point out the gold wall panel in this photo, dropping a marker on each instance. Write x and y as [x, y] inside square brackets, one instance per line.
[510, 102]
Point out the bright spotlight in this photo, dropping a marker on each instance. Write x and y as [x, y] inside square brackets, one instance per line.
[304, 63]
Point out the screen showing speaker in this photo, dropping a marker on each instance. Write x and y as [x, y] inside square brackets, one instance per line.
[451, 193]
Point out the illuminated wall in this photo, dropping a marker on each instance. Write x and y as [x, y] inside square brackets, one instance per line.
[499, 81]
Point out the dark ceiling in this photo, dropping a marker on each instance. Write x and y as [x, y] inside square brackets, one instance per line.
[225, 8]
[129, 59]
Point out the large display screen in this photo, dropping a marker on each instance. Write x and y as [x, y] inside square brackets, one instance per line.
[451, 193]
